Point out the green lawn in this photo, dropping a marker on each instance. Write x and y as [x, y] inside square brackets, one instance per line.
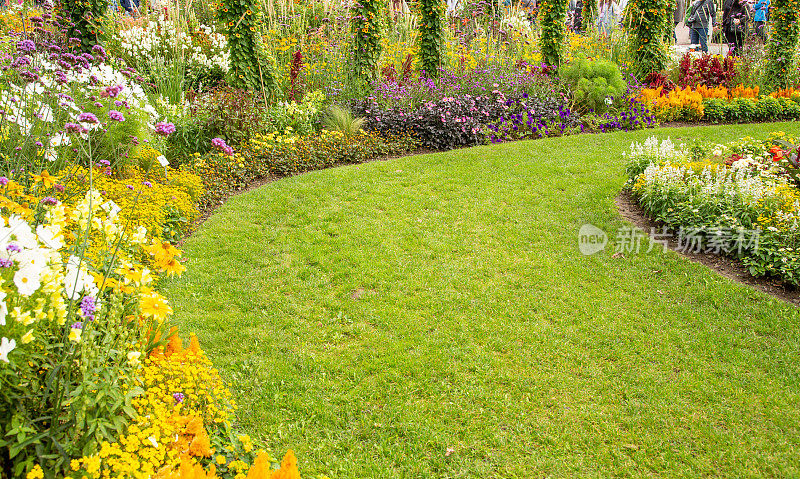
[371, 317]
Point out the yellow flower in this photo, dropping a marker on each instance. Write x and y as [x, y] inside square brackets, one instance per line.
[221, 460]
[155, 306]
[36, 473]
[27, 337]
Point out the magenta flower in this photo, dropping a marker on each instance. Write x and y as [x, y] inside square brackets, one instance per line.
[115, 115]
[87, 117]
[164, 128]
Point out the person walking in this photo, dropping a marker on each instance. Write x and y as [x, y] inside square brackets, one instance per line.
[699, 15]
[734, 24]
[760, 18]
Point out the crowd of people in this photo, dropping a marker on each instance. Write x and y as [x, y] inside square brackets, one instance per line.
[735, 18]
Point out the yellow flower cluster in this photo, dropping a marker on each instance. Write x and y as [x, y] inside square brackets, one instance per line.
[680, 102]
[17, 19]
[183, 405]
[142, 196]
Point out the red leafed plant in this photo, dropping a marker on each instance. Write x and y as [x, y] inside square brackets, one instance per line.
[706, 70]
[295, 66]
[658, 79]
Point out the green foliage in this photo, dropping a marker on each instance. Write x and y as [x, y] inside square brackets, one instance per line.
[594, 83]
[645, 22]
[742, 110]
[785, 19]
[552, 15]
[251, 65]
[85, 18]
[366, 27]
[342, 120]
[431, 35]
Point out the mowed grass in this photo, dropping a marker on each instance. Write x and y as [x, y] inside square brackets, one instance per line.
[432, 316]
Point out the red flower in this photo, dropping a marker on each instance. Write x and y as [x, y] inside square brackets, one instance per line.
[777, 153]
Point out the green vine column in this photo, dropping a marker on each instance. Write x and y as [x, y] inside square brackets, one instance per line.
[785, 19]
[552, 15]
[431, 35]
[251, 65]
[589, 14]
[85, 17]
[646, 47]
[366, 27]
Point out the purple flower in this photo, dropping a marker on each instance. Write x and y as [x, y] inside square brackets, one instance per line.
[220, 144]
[6, 263]
[26, 46]
[13, 248]
[179, 397]
[115, 115]
[88, 307]
[49, 200]
[164, 128]
[147, 184]
[78, 325]
[73, 128]
[130, 187]
[87, 117]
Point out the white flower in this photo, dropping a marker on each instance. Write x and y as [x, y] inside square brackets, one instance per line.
[20, 231]
[60, 139]
[6, 347]
[3, 308]
[50, 236]
[111, 208]
[133, 358]
[27, 280]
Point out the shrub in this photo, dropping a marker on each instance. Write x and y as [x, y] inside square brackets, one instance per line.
[84, 18]
[251, 66]
[276, 154]
[737, 200]
[706, 70]
[594, 84]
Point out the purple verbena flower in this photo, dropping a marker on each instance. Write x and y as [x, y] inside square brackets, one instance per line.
[115, 115]
[164, 128]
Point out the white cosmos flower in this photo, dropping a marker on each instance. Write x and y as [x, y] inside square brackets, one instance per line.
[59, 139]
[111, 208]
[27, 280]
[20, 232]
[50, 236]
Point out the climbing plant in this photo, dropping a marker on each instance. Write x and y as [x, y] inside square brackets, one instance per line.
[84, 21]
[252, 67]
[366, 25]
[552, 15]
[645, 22]
[431, 35]
[589, 14]
[785, 19]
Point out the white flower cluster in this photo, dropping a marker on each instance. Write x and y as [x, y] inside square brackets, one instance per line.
[162, 39]
[41, 283]
[655, 150]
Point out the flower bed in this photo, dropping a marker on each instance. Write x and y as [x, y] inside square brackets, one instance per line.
[740, 198]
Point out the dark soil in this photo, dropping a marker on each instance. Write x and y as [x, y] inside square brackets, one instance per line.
[724, 265]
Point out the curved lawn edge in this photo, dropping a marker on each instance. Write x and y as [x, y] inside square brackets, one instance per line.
[374, 316]
[726, 266]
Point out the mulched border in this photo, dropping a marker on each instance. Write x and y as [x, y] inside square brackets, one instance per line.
[726, 266]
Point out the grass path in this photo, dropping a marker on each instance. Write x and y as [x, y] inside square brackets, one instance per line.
[372, 317]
